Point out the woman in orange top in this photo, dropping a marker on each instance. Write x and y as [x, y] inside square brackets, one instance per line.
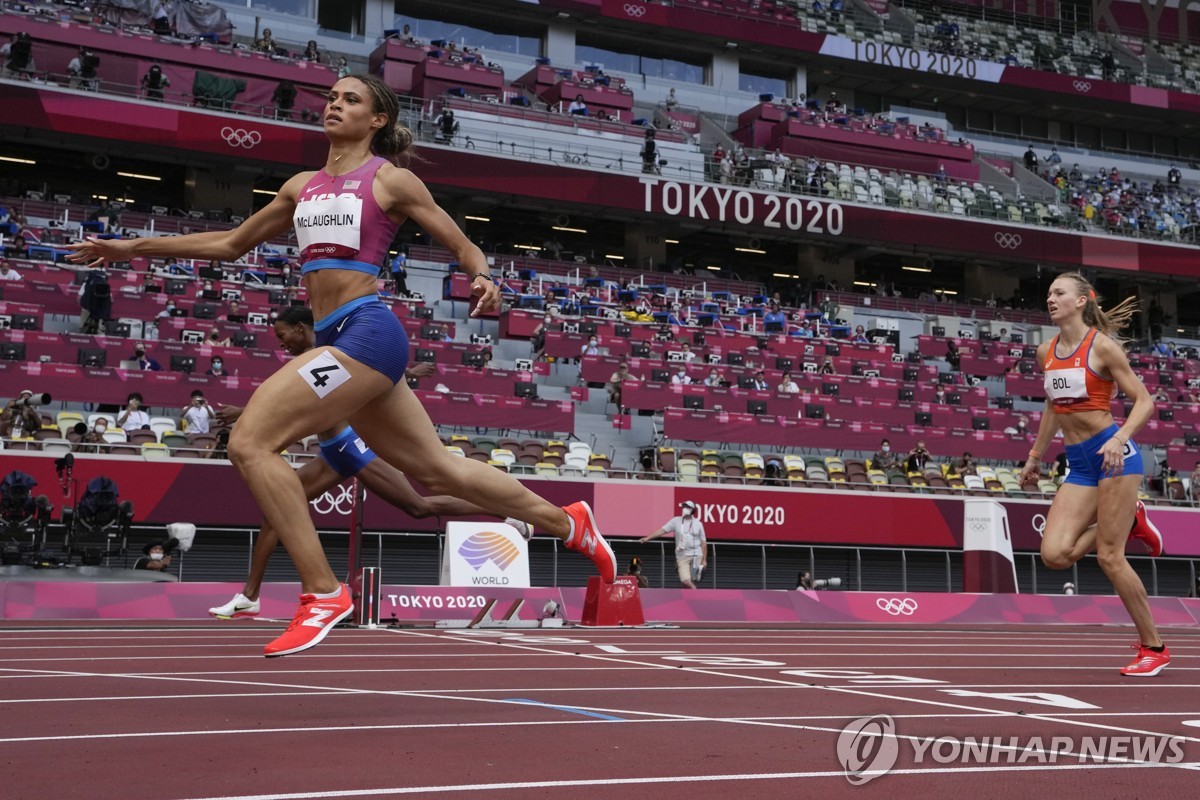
[1096, 508]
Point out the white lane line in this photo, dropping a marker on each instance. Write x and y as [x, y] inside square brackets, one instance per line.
[798, 648]
[940, 771]
[837, 689]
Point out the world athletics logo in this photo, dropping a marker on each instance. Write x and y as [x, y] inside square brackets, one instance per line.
[487, 546]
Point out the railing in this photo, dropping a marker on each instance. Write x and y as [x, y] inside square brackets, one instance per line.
[731, 565]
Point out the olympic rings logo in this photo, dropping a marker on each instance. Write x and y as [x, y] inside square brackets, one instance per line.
[1039, 523]
[1009, 241]
[1083, 86]
[897, 606]
[632, 10]
[240, 137]
[339, 500]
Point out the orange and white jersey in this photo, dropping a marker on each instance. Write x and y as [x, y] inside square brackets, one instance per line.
[1071, 384]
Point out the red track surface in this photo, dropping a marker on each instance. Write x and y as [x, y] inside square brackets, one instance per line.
[186, 711]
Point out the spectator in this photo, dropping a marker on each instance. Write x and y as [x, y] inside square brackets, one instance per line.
[649, 151]
[966, 465]
[884, 459]
[775, 321]
[17, 249]
[714, 378]
[145, 362]
[860, 335]
[1108, 66]
[827, 367]
[216, 368]
[311, 53]
[592, 348]
[266, 44]
[672, 101]
[537, 340]
[1174, 177]
[578, 107]
[1054, 158]
[236, 314]
[154, 81]
[787, 385]
[760, 382]
[214, 339]
[835, 11]
[686, 354]
[1074, 176]
[133, 418]
[343, 69]
[21, 420]
[804, 580]
[615, 382]
[400, 272]
[445, 127]
[918, 457]
[167, 312]
[156, 555]
[939, 393]
[818, 8]
[160, 20]
[95, 436]
[406, 34]
[284, 98]
[1031, 160]
[196, 416]
[7, 273]
[691, 546]
[681, 377]
[635, 570]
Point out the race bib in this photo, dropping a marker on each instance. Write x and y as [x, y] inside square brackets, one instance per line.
[1066, 387]
[324, 374]
[329, 226]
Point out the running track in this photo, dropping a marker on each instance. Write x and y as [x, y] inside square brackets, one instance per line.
[192, 711]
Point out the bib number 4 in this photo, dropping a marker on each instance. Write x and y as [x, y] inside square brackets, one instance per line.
[323, 374]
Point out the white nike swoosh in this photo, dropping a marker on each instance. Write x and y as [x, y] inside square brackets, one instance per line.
[339, 326]
[342, 449]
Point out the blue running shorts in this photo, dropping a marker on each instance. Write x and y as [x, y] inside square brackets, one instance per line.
[366, 330]
[1085, 465]
[347, 453]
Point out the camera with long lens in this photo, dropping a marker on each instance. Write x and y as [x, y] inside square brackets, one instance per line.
[827, 583]
[33, 400]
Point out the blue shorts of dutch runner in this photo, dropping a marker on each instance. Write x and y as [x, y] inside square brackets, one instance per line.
[1085, 465]
[347, 453]
[366, 330]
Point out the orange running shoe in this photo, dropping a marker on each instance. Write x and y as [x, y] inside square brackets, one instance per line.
[1144, 531]
[586, 539]
[1148, 663]
[313, 621]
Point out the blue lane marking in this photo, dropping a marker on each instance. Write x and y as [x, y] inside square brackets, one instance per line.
[568, 709]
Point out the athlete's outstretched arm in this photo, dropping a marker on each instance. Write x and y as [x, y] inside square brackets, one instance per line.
[263, 225]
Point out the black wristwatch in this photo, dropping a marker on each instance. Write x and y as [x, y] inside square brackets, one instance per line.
[482, 275]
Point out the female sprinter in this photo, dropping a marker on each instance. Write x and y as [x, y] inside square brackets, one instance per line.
[1096, 508]
[345, 217]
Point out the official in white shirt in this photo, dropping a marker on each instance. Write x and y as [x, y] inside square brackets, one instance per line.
[691, 546]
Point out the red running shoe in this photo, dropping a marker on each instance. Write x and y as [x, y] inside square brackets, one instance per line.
[1148, 663]
[1144, 531]
[586, 539]
[313, 621]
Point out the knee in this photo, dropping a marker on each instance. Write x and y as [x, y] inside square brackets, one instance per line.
[1110, 560]
[241, 448]
[1056, 560]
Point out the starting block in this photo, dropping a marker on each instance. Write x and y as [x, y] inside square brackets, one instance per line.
[616, 603]
[511, 618]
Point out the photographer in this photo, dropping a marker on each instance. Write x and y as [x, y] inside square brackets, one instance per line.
[918, 457]
[95, 302]
[20, 418]
[804, 580]
[195, 417]
[94, 437]
[635, 570]
[649, 152]
[133, 418]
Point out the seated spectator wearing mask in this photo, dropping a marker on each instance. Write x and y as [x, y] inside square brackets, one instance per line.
[216, 367]
[145, 361]
[133, 418]
[157, 554]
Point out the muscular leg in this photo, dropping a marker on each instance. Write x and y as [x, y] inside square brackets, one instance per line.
[1118, 497]
[284, 409]
[397, 428]
[391, 485]
[316, 477]
[1070, 531]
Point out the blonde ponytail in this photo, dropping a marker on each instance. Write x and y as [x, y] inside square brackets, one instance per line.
[1110, 322]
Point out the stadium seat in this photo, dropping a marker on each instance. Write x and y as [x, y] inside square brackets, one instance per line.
[455, 450]
[115, 436]
[153, 451]
[503, 456]
[68, 420]
[689, 470]
[597, 472]
[545, 470]
[174, 439]
[161, 425]
[56, 446]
